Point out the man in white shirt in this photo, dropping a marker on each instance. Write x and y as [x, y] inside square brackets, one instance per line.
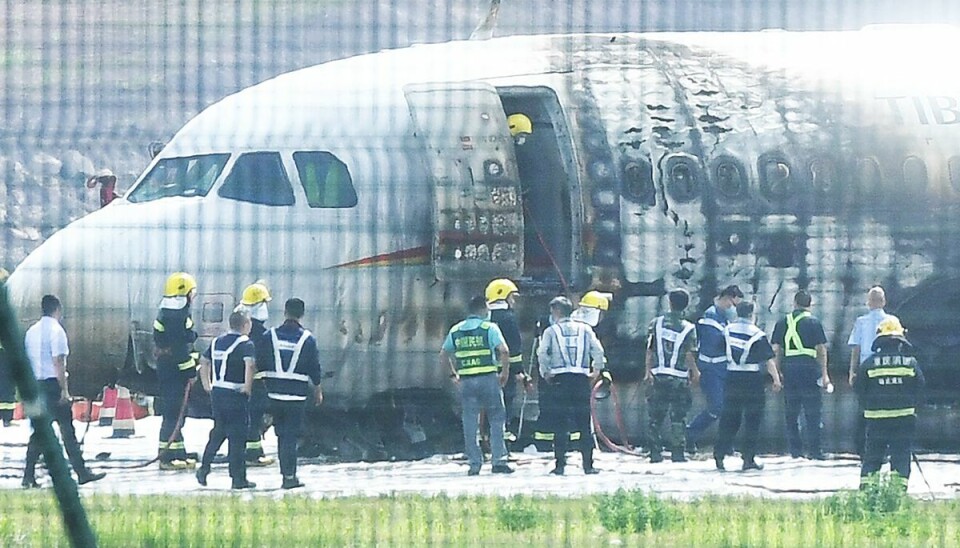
[47, 349]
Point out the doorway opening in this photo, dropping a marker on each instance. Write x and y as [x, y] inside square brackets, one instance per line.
[547, 179]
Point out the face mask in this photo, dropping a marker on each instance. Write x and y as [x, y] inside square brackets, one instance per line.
[730, 313]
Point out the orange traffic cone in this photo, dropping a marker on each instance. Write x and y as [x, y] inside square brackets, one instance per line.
[123, 420]
[109, 407]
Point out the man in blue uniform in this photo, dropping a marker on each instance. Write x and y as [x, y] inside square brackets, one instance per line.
[173, 337]
[289, 361]
[712, 360]
[472, 351]
[571, 358]
[254, 303]
[671, 367]
[747, 351]
[801, 348]
[226, 371]
[501, 295]
[890, 385]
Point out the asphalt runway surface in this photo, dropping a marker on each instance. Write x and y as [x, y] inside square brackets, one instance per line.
[783, 477]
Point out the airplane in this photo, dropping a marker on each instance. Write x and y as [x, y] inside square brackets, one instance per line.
[386, 190]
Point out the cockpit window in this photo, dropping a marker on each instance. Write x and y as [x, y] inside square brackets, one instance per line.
[326, 180]
[187, 176]
[258, 178]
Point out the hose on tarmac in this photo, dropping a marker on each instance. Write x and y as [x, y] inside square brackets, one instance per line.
[618, 414]
[176, 430]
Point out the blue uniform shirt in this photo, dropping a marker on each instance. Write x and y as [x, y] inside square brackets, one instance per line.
[236, 367]
[865, 332]
[472, 322]
[713, 347]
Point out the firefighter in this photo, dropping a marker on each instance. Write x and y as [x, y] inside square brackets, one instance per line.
[47, 349]
[472, 350]
[254, 303]
[108, 185]
[747, 349]
[226, 372]
[567, 352]
[173, 337]
[289, 360]
[501, 297]
[890, 386]
[520, 126]
[711, 361]
[800, 345]
[671, 345]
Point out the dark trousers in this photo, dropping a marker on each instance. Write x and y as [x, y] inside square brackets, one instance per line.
[742, 404]
[509, 394]
[258, 408]
[800, 390]
[173, 382]
[61, 413]
[712, 377]
[8, 392]
[230, 416]
[571, 400]
[668, 396]
[892, 437]
[287, 423]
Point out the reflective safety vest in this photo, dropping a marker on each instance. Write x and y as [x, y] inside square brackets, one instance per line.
[892, 387]
[219, 359]
[792, 344]
[287, 373]
[472, 349]
[670, 343]
[740, 338]
[573, 343]
[710, 335]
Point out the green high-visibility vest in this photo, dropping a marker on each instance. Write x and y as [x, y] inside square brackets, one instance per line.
[472, 349]
[792, 344]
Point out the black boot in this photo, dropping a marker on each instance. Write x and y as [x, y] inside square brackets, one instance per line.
[29, 482]
[243, 484]
[202, 474]
[291, 482]
[87, 476]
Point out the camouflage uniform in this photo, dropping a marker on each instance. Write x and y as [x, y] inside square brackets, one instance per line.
[670, 393]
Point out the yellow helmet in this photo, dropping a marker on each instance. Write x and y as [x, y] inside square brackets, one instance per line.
[255, 293]
[596, 299]
[519, 123]
[500, 289]
[179, 284]
[890, 326]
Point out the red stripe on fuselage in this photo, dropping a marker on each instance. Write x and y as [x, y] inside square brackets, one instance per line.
[413, 255]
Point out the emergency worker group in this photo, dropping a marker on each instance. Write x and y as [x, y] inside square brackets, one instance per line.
[254, 369]
[724, 352]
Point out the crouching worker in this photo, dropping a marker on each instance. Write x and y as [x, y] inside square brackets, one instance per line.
[472, 350]
[890, 386]
[230, 359]
[289, 360]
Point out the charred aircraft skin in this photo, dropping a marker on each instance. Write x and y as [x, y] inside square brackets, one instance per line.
[774, 160]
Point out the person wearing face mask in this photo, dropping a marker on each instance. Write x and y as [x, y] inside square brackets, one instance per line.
[712, 359]
[253, 302]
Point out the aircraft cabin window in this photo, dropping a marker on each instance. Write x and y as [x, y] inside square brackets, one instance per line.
[326, 180]
[187, 176]
[775, 177]
[683, 178]
[914, 173]
[953, 166]
[730, 180]
[258, 178]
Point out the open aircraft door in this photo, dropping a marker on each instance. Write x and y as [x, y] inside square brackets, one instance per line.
[478, 209]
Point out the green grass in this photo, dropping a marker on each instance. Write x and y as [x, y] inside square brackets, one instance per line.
[628, 518]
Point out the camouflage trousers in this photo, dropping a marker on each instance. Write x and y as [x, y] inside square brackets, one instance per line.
[668, 396]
